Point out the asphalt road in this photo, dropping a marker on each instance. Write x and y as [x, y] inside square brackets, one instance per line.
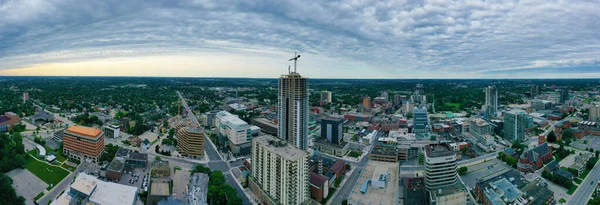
[216, 161]
[586, 188]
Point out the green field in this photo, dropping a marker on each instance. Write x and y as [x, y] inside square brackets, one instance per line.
[572, 189]
[354, 154]
[47, 173]
[58, 154]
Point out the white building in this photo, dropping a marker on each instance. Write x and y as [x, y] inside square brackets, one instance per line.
[279, 172]
[326, 96]
[88, 189]
[112, 131]
[380, 177]
[236, 130]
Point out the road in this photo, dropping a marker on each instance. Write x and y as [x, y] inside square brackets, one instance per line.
[586, 188]
[216, 161]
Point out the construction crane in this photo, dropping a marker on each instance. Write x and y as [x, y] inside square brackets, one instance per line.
[295, 59]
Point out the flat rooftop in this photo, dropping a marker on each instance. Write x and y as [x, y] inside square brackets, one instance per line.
[85, 131]
[198, 189]
[159, 188]
[105, 193]
[375, 195]
[438, 150]
[279, 146]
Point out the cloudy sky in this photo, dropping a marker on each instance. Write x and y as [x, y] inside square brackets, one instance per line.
[337, 39]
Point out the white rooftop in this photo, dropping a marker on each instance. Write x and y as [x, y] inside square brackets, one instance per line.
[105, 193]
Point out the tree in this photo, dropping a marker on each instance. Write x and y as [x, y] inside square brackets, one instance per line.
[201, 169]
[568, 134]
[551, 137]
[464, 150]
[8, 193]
[157, 158]
[462, 170]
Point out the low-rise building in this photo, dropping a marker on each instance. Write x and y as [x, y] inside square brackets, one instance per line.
[112, 131]
[323, 145]
[88, 189]
[8, 121]
[534, 159]
[511, 187]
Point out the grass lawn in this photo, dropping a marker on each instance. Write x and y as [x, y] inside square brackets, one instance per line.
[47, 173]
[57, 153]
[38, 196]
[572, 189]
[585, 173]
[578, 180]
[355, 154]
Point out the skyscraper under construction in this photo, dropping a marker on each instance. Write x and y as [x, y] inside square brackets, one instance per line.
[293, 108]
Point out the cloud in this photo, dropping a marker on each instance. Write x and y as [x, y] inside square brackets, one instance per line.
[389, 39]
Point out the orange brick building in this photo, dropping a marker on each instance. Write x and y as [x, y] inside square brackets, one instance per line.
[83, 143]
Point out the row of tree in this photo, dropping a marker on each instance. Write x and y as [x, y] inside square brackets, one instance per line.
[564, 182]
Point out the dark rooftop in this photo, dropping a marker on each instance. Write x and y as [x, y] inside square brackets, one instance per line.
[122, 152]
[138, 156]
[337, 166]
[317, 179]
[438, 150]
[539, 193]
[4, 119]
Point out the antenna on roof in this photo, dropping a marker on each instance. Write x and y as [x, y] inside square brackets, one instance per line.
[295, 59]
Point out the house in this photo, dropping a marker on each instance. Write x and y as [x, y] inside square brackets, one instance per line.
[533, 159]
[146, 144]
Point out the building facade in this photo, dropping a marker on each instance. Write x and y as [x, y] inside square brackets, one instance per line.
[594, 113]
[112, 131]
[421, 121]
[440, 166]
[515, 124]
[491, 102]
[83, 144]
[332, 129]
[293, 109]
[279, 172]
[326, 97]
[190, 142]
[534, 159]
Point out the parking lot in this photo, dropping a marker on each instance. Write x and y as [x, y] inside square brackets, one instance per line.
[26, 184]
[135, 177]
[592, 142]
[484, 171]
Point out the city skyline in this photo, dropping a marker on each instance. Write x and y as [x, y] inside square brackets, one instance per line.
[397, 40]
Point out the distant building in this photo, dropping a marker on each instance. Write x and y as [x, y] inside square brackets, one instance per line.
[491, 102]
[41, 117]
[541, 105]
[83, 144]
[112, 131]
[326, 97]
[398, 100]
[25, 97]
[366, 102]
[563, 96]
[190, 142]
[534, 159]
[515, 124]
[511, 187]
[420, 122]
[88, 189]
[279, 172]
[197, 189]
[418, 99]
[594, 113]
[408, 106]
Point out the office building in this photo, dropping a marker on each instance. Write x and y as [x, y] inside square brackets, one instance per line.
[408, 106]
[441, 176]
[332, 129]
[25, 97]
[83, 144]
[491, 102]
[326, 97]
[515, 124]
[87, 189]
[279, 172]
[418, 99]
[563, 96]
[440, 166]
[112, 131]
[366, 102]
[594, 113]
[190, 142]
[293, 109]
[398, 100]
[236, 131]
[198, 189]
[420, 122]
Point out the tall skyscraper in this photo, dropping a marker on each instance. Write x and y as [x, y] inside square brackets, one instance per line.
[421, 122]
[564, 96]
[326, 96]
[279, 172]
[398, 100]
[491, 101]
[293, 108]
[515, 124]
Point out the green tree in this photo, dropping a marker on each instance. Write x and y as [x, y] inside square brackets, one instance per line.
[462, 170]
[551, 137]
[157, 158]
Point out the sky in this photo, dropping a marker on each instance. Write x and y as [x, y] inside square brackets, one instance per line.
[336, 39]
